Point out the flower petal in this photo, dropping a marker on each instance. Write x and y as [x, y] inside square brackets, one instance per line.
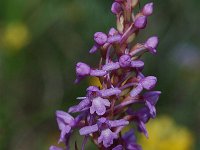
[110, 92]
[114, 38]
[99, 106]
[152, 96]
[64, 131]
[88, 129]
[112, 32]
[152, 109]
[117, 123]
[111, 66]
[100, 38]
[129, 137]
[143, 114]
[98, 73]
[81, 106]
[149, 82]
[142, 128]
[64, 117]
[94, 49]
[137, 64]
[107, 137]
[137, 90]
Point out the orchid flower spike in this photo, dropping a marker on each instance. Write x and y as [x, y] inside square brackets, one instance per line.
[104, 110]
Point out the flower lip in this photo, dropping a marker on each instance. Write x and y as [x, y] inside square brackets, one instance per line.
[99, 106]
[100, 38]
[107, 137]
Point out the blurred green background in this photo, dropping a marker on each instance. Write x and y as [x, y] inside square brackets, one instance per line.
[42, 40]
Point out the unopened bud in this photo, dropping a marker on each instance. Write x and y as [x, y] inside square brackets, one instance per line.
[140, 22]
[147, 9]
[116, 8]
[100, 38]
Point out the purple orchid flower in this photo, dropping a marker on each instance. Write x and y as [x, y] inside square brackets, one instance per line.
[65, 124]
[151, 99]
[124, 62]
[99, 106]
[147, 83]
[83, 70]
[102, 39]
[107, 137]
[106, 134]
[95, 101]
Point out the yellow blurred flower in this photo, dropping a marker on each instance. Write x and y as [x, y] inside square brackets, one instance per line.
[164, 134]
[15, 36]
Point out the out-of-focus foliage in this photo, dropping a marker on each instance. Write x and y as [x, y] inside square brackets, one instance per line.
[41, 40]
[15, 37]
[164, 134]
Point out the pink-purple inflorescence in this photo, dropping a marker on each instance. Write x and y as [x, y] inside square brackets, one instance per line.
[104, 112]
